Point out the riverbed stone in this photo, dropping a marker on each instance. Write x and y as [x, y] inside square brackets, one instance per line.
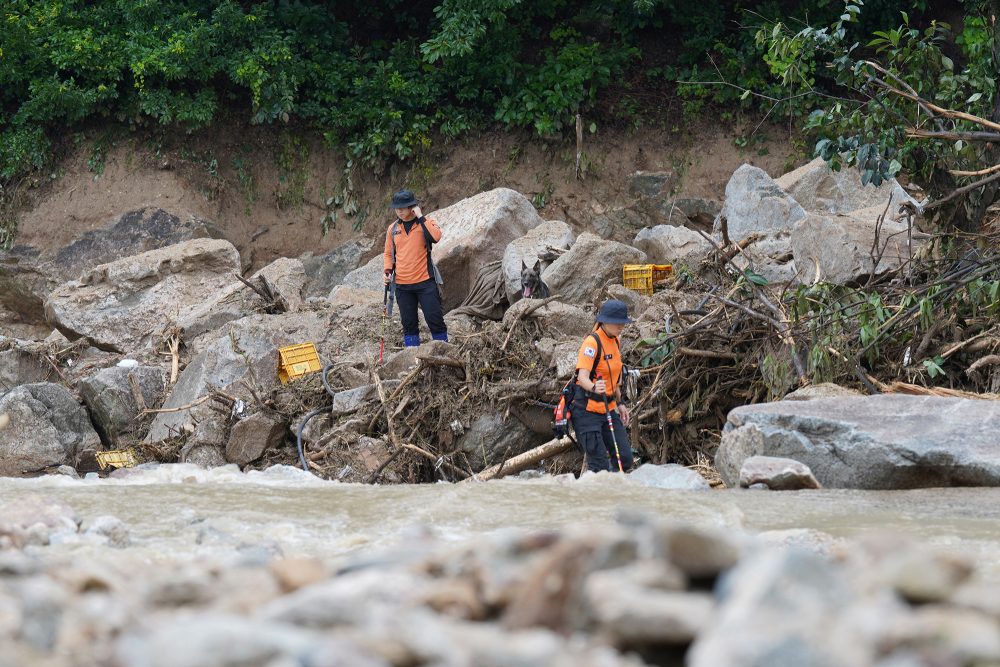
[669, 476]
[887, 441]
[47, 427]
[111, 401]
[249, 438]
[777, 474]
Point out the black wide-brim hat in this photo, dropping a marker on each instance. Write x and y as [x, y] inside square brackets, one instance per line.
[614, 312]
[403, 199]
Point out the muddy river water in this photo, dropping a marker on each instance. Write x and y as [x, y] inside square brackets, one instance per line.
[177, 512]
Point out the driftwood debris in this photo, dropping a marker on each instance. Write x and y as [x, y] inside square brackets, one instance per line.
[516, 464]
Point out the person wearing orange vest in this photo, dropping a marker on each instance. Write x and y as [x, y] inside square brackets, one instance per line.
[598, 382]
[407, 263]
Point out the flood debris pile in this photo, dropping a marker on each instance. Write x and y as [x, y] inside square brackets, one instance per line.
[788, 284]
[637, 592]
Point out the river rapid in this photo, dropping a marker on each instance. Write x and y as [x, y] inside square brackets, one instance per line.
[178, 512]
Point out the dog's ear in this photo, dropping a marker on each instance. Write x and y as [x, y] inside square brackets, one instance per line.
[523, 265]
[538, 266]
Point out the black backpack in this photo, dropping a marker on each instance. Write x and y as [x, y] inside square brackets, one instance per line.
[563, 411]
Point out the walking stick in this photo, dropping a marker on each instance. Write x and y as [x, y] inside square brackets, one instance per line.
[385, 317]
[611, 426]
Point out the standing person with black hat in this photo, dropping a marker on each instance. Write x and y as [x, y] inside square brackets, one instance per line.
[408, 264]
[598, 416]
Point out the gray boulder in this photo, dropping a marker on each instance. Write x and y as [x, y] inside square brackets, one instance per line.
[756, 204]
[844, 248]
[665, 244]
[20, 365]
[474, 232]
[492, 438]
[529, 249]
[324, 272]
[28, 274]
[887, 441]
[245, 348]
[120, 306]
[284, 278]
[621, 224]
[251, 437]
[46, 428]
[669, 476]
[582, 271]
[112, 403]
[817, 188]
[777, 474]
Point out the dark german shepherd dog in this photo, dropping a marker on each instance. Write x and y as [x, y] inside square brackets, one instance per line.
[532, 286]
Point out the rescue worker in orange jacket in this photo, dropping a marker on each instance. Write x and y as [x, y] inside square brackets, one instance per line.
[407, 263]
[598, 388]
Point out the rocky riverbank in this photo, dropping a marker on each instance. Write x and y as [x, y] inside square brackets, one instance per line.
[639, 591]
[149, 336]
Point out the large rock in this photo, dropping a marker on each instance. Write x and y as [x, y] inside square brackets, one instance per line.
[27, 274]
[817, 188]
[46, 428]
[283, 278]
[112, 401]
[580, 273]
[874, 442]
[326, 271]
[756, 204]
[665, 244]
[529, 249]
[651, 183]
[493, 438]
[844, 248]
[20, 365]
[251, 437]
[121, 306]
[474, 232]
[246, 347]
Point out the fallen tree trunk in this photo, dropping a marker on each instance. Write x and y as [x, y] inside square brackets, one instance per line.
[523, 461]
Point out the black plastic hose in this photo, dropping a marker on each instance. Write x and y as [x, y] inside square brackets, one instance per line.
[298, 437]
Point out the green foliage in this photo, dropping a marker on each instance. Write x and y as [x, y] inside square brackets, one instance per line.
[863, 123]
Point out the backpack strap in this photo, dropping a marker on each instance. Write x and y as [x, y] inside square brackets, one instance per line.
[598, 356]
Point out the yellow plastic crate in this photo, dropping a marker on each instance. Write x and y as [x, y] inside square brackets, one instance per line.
[117, 458]
[642, 277]
[297, 360]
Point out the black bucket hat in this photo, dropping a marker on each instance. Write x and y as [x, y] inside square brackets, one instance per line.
[614, 312]
[403, 199]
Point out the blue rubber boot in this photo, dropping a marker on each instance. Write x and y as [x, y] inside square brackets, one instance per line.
[411, 341]
[440, 336]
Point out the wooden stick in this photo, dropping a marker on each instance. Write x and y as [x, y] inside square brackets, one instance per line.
[201, 400]
[525, 460]
[707, 354]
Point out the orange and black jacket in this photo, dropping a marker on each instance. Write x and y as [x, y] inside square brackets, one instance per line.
[609, 367]
[411, 260]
